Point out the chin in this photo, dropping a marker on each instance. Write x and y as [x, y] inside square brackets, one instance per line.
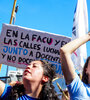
[27, 78]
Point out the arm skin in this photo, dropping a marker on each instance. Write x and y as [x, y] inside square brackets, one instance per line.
[65, 55]
[2, 87]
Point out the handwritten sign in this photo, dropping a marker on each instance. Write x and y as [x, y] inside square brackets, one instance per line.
[19, 46]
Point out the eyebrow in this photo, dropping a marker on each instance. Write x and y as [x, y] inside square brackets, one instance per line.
[36, 64]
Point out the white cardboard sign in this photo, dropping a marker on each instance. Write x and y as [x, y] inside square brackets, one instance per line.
[19, 46]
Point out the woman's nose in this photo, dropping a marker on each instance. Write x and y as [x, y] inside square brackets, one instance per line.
[29, 66]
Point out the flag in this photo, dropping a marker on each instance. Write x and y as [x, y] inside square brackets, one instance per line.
[80, 28]
[14, 16]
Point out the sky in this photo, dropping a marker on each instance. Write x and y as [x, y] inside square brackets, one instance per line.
[54, 16]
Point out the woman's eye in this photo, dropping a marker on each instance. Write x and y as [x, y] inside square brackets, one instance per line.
[34, 66]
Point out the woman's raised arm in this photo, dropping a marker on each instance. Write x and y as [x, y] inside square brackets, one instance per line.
[65, 55]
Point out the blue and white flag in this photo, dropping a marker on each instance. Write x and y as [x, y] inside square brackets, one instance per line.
[80, 28]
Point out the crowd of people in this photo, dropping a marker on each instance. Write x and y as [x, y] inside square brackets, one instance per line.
[38, 75]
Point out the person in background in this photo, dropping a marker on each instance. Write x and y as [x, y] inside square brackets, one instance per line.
[86, 73]
[37, 84]
[78, 90]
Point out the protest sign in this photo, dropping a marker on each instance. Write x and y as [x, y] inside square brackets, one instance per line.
[19, 46]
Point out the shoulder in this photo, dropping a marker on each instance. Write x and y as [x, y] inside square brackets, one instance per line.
[78, 89]
[2, 87]
[75, 84]
[6, 91]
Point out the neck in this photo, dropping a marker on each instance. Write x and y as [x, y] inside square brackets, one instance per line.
[33, 89]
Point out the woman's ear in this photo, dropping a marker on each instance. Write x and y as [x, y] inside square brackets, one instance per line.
[45, 78]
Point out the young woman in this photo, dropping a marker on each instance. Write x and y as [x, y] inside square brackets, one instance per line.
[37, 84]
[79, 90]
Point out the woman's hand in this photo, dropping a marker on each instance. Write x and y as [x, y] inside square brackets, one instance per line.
[14, 83]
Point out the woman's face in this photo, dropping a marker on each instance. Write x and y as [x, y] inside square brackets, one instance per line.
[88, 68]
[33, 72]
[88, 71]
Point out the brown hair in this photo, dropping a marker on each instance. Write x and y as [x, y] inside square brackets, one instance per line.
[48, 91]
[84, 75]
